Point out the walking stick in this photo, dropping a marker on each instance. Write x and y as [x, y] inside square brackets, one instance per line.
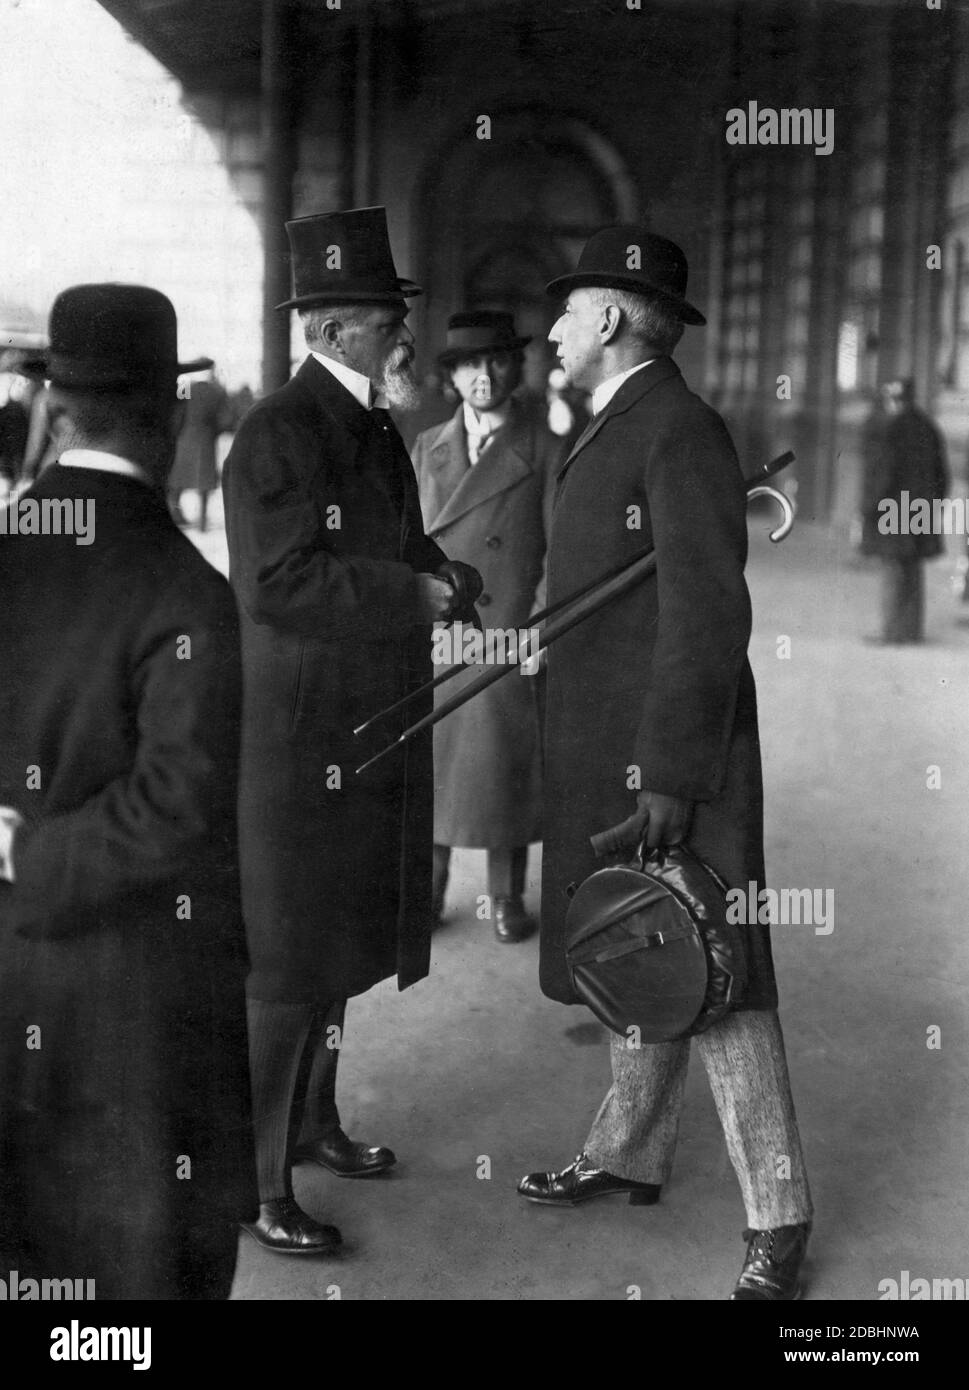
[582, 605]
[767, 471]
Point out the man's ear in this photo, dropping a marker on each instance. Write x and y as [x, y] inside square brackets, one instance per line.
[331, 334]
[609, 324]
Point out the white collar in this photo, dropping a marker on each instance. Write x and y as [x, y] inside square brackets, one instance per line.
[359, 386]
[605, 391]
[479, 424]
[105, 463]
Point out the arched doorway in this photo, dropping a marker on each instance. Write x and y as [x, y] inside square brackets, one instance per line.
[502, 217]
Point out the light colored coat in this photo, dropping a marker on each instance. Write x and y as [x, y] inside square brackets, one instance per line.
[494, 516]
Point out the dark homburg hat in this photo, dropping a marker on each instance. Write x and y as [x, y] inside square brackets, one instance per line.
[111, 337]
[486, 330]
[659, 270]
[343, 258]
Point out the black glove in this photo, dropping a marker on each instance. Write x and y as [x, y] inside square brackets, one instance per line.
[467, 585]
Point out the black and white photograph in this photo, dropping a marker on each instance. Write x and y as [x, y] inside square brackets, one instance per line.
[484, 676]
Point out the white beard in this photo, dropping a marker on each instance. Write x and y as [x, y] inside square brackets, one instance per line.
[399, 386]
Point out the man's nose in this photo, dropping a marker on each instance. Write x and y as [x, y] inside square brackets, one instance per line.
[554, 336]
[405, 337]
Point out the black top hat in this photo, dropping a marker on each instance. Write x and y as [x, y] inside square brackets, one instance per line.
[630, 258]
[486, 330]
[343, 257]
[109, 337]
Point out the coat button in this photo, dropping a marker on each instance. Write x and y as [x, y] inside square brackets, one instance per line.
[483, 600]
[493, 542]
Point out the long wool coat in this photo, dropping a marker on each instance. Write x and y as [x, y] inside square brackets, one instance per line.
[125, 1150]
[325, 542]
[903, 452]
[207, 414]
[488, 755]
[658, 680]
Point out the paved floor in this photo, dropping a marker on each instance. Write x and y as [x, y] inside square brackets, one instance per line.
[474, 1078]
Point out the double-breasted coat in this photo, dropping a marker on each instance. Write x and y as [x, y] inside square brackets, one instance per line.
[656, 689]
[125, 1149]
[488, 754]
[325, 543]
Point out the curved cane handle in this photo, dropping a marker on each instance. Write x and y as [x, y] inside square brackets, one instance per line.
[785, 504]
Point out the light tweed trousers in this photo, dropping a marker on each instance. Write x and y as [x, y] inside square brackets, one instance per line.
[634, 1134]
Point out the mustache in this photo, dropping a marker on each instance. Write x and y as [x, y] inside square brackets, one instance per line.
[402, 359]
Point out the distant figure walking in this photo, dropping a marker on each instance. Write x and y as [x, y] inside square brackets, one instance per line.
[208, 414]
[903, 452]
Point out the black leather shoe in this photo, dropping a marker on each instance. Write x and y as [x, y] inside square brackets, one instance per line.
[772, 1269]
[580, 1182]
[287, 1229]
[346, 1158]
[512, 923]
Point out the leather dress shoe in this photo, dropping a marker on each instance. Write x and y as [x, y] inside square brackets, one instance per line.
[772, 1268]
[345, 1157]
[512, 922]
[284, 1227]
[580, 1182]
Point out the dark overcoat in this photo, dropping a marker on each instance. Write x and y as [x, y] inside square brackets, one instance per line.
[488, 755]
[125, 1151]
[658, 681]
[207, 414]
[325, 542]
[902, 453]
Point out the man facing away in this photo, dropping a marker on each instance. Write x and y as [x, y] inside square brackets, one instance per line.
[125, 1150]
[657, 694]
[337, 591]
[484, 478]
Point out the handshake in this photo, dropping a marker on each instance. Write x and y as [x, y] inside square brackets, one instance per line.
[449, 595]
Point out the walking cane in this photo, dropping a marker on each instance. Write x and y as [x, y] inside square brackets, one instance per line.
[583, 603]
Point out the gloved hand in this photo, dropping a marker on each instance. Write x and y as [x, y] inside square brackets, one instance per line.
[666, 818]
[467, 585]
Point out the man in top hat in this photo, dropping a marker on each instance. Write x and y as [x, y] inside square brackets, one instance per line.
[652, 711]
[484, 480]
[124, 1150]
[338, 588]
[905, 460]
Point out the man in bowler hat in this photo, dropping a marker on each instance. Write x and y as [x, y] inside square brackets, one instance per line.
[338, 588]
[657, 695]
[125, 1152]
[484, 479]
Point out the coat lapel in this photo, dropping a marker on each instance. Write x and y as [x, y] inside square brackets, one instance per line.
[335, 401]
[504, 463]
[629, 393]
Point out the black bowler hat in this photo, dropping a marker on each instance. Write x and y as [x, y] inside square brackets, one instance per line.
[343, 258]
[110, 337]
[658, 269]
[485, 330]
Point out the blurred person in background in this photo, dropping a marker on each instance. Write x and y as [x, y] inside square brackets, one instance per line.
[208, 414]
[903, 453]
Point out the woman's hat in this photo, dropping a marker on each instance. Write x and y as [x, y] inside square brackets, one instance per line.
[485, 330]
